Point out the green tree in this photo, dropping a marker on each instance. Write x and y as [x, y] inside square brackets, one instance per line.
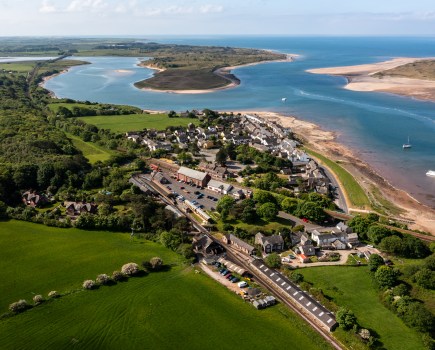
[386, 277]
[289, 205]
[225, 203]
[184, 157]
[418, 317]
[262, 197]
[425, 278]
[377, 233]
[268, 211]
[311, 211]
[375, 260]
[156, 263]
[273, 260]
[221, 156]
[392, 244]
[346, 318]
[3, 211]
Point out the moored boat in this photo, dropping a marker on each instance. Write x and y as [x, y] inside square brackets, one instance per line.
[431, 173]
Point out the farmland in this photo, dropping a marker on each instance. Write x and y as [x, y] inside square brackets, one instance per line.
[138, 314]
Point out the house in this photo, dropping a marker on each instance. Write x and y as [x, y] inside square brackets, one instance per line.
[238, 194]
[77, 208]
[325, 240]
[239, 244]
[306, 245]
[214, 170]
[205, 245]
[219, 187]
[205, 144]
[34, 199]
[134, 137]
[339, 245]
[193, 176]
[274, 243]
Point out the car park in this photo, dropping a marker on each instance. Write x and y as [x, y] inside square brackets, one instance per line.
[229, 276]
[235, 280]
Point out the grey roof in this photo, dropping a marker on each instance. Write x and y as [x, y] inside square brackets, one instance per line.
[217, 184]
[274, 239]
[311, 305]
[241, 243]
[193, 174]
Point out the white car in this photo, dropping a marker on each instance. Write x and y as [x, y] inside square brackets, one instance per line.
[242, 284]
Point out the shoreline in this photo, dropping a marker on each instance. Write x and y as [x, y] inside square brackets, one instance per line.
[47, 78]
[362, 78]
[324, 142]
[224, 72]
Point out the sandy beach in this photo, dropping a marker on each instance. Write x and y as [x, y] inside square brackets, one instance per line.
[361, 78]
[225, 72]
[324, 142]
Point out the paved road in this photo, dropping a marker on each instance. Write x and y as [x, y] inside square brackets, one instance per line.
[340, 198]
[296, 221]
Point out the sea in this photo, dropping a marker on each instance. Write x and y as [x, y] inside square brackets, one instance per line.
[374, 125]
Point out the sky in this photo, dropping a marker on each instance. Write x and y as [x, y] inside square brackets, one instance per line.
[208, 17]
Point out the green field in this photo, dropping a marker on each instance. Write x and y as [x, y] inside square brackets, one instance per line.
[136, 122]
[352, 287]
[173, 309]
[354, 191]
[90, 150]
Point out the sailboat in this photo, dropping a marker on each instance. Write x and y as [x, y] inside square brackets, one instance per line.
[284, 99]
[407, 145]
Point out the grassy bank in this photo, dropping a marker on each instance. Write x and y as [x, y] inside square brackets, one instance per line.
[352, 287]
[90, 150]
[136, 122]
[173, 309]
[353, 190]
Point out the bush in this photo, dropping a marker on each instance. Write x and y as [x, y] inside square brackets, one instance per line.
[103, 279]
[346, 318]
[273, 260]
[19, 306]
[38, 299]
[130, 269]
[156, 263]
[53, 294]
[88, 284]
[386, 277]
[117, 276]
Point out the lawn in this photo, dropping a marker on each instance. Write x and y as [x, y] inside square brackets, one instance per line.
[352, 287]
[90, 150]
[136, 122]
[173, 309]
[259, 225]
[354, 191]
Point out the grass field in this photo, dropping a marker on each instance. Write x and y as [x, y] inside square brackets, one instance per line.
[166, 310]
[90, 150]
[136, 122]
[354, 191]
[352, 287]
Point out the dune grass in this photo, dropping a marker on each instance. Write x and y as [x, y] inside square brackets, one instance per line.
[354, 191]
[353, 288]
[177, 308]
[136, 122]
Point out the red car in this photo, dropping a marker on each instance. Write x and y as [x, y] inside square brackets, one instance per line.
[182, 187]
[304, 220]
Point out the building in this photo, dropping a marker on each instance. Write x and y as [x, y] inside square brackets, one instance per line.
[205, 245]
[77, 208]
[339, 245]
[239, 244]
[219, 187]
[274, 243]
[215, 171]
[193, 176]
[306, 246]
[34, 199]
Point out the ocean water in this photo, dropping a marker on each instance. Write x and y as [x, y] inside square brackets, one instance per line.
[375, 125]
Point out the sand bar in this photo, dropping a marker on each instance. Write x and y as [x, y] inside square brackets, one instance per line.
[361, 78]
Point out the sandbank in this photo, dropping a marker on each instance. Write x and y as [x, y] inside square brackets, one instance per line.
[421, 216]
[362, 78]
[225, 72]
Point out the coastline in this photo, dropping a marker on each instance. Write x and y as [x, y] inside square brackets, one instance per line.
[324, 142]
[361, 78]
[224, 72]
[47, 78]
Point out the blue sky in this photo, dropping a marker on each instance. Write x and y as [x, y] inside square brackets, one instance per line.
[154, 17]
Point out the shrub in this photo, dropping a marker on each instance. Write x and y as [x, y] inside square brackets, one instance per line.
[38, 299]
[130, 269]
[19, 306]
[156, 263]
[53, 294]
[346, 318]
[118, 276]
[103, 279]
[88, 284]
[273, 260]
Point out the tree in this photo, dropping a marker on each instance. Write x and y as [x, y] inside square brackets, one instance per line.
[376, 233]
[262, 197]
[346, 318]
[19, 306]
[375, 261]
[88, 284]
[156, 263]
[386, 277]
[3, 211]
[311, 211]
[225, 203]
[425, 278]
[184, 157]
[221, 156]
[289, 205]
[130, 269]
[170, 239]
[273, 260]
[418, 317]
[268, 211]
[392, 244]
[172, 114]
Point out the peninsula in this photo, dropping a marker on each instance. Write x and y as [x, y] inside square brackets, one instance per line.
[412, 77]
[199, 69]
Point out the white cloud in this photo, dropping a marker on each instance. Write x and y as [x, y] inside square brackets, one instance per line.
[86, 5]
[211, 8]
[47, 7]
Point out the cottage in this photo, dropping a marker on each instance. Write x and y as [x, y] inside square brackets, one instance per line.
[193, 176]
[205, 245]
[34, 199]
[274, 243]
[77, 208]
[339, 245]
[239, 244]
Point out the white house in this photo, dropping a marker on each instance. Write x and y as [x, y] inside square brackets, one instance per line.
[220, 187]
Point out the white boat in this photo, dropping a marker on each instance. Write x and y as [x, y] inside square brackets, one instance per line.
[284, 99]
[407, 145]
[430, 173]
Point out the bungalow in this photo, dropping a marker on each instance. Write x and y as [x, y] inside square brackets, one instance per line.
[220, 187]
[274, 243]
[239, 244]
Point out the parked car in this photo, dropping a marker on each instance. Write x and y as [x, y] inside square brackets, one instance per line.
[197, 192]
[215, 199]
[235, 280]
[182, 187]
[223, 272]
[228, 276]
[242, 284]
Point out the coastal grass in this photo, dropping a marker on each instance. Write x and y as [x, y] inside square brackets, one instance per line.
[424, 70]
[354, 191]
[18, 67]
[136, 122]
[352, 287]
[90, 150]
[176, 308]
[55, 105]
